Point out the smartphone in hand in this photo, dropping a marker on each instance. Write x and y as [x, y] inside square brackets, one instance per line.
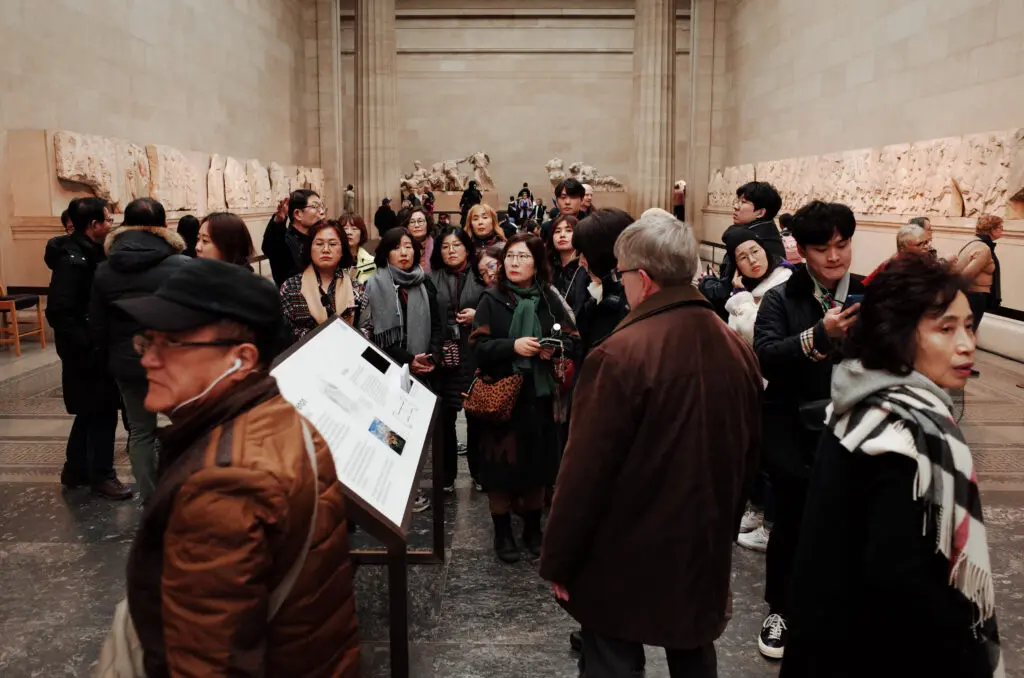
[852, 299]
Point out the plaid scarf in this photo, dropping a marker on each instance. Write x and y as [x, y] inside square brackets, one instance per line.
[915, 422]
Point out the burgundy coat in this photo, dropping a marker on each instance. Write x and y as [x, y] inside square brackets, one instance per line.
[662, 452]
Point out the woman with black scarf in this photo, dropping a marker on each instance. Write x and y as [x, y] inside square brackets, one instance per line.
[458, 292]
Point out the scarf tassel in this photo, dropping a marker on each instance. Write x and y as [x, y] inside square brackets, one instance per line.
[976, 584]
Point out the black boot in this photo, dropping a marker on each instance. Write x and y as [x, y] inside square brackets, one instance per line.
[504, 542]
[532, 536]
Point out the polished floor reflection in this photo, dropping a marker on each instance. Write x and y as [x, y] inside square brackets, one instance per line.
[62, 557]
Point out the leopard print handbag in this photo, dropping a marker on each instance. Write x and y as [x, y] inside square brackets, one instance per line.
[493, 399]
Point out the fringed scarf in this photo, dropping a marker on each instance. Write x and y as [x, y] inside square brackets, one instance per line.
[526, 323]
[915, 422]
[339, 298]
[389, 327]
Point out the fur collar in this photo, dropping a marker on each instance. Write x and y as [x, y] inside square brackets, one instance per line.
[171, 236]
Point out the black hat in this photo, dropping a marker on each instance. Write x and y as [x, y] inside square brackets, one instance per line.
[735, 236]
[206, 291]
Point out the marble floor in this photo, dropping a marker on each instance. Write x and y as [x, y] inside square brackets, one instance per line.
[62, 556]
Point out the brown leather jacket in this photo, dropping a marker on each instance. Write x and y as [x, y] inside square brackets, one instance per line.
[229, 516]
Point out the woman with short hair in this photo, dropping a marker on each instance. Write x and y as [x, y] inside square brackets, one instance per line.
[356, 236]
[605, 305]
[323, 289]
[458, 293]
[482, 227]
[188, 229]
[757, 271]
[520, 456]
[893, 552]
[225, 236]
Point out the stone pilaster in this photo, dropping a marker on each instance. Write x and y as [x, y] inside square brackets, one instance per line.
[654, 79]
[377, 171]
[328, 45]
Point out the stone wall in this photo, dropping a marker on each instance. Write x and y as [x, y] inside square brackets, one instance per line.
[806, 77]
[223, 76]
[491, 76]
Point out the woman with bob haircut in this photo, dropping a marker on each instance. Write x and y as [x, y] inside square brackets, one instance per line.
[893, 552]
[224, 236]
[482, 227]
[356, 236]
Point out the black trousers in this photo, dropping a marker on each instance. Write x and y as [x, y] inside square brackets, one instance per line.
[979, 304]
[90, 448]
[473, 450]
[609, 658]
[450, 469]
[790, 496]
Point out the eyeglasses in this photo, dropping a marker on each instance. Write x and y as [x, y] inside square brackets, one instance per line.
[617, 274]
[326, 244]
[453, 247]
[141, 343]
[417, 222]
[318, 206]
[518, 258]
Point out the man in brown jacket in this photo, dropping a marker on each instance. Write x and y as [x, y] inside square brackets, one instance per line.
[241, 566]
[662, 452]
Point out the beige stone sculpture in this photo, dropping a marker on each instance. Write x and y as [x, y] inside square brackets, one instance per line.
[172, 179]
[215, 201]
[134, 171]
[480, 161]
[723, 185]
[317, 180]
[556, 171]
[418, 177]
[259, 184]
[89, 160]
[453, 181]
[588, 174]
[280, 186]
[237, 193]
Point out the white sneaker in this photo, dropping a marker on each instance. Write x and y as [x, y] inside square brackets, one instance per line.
[421, 503]
[752, 520]
[757, 540]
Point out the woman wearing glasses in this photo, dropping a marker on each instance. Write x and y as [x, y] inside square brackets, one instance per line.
[324, 288]
[420, 225]
[520, 457]
[458, 293]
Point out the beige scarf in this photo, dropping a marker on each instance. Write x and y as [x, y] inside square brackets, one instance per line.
[344, 296]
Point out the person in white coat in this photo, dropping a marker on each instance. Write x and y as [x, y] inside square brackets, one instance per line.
[756, 272]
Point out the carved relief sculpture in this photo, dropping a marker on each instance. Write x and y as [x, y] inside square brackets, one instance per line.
[418, 177]
[480, 162]
[173, 180]
[453, 181]
[259, 184]
[237, 194]
[317, 180]
[588, 174]
[215, 185]
[279, 185]
[556, 171]
[87, 159]
[134, 171]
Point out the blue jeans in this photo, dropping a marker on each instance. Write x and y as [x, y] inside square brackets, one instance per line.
[142, 450]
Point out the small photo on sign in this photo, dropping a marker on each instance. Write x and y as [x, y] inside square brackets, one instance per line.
[380, 431]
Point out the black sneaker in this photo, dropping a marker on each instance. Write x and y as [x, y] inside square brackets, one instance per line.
[772, 641]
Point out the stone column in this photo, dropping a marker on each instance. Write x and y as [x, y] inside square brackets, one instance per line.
[654, 79]
[377, 172]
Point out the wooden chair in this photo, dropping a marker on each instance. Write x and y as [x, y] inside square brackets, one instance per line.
[10, 331]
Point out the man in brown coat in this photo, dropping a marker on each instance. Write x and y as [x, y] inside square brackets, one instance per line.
[662, 452]
[241, 566]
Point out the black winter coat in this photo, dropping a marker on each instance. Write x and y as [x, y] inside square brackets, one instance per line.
[717, 290]
[384, 220]
[596, 320]
[865, 571]
[798, 388]
[398, 351]
[451, 383]
[88, 388]
[139, 260]
[283, 245]
[571, 281]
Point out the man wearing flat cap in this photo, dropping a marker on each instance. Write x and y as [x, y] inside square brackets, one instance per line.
[241, 565]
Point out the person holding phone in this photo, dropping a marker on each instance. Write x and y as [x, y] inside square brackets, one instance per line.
[800, 325]
[520, 456]
[399, 310]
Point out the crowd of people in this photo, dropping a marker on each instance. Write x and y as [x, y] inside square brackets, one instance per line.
[658, 413]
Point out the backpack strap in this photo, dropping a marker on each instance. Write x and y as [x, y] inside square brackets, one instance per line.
[280, 593]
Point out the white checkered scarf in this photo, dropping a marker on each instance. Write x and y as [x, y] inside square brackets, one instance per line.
[911, 421]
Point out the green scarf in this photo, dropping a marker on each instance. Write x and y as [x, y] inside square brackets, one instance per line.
[526, 323]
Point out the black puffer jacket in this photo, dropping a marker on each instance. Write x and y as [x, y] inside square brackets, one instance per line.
[798, 387]
[718, 289]
[139, 260]
[451, 383]
[88, 389]
[283, 245]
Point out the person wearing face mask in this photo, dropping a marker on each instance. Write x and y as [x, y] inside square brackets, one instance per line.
[399, 312]
[799, 327]
[482, 227]
[520, 456]
[755, 208]
[570, 279]
[605, 305]
[458, 293]
[893, 549]
[324, 289]
[241, 563]
[420, 225]
[282, 244]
